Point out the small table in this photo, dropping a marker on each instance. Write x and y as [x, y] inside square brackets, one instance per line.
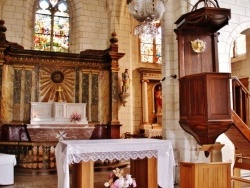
[84, 152]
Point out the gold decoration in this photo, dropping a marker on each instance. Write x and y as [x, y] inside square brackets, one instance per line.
[59, 90]
[57, 76]
[198, 45]
[49, 88]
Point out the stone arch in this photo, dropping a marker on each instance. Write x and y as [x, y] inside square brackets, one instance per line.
[232, 36]
[237, 30]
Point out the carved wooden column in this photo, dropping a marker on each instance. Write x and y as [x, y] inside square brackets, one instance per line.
[114, 129]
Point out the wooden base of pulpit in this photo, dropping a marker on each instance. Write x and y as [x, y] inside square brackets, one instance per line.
[83, 175]
[145, 172]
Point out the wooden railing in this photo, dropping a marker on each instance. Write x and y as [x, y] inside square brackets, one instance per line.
[241, 163]
[240, 125]
[32, 155]
[241, 98]
[240, 116]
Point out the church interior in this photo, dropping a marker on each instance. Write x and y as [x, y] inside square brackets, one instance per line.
[162, 72]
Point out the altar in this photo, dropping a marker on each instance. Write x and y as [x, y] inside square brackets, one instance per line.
[53, 121]
[57, 113]
[84, 152]
[55, 132]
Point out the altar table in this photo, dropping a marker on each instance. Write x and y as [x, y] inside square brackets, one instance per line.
[76, 151]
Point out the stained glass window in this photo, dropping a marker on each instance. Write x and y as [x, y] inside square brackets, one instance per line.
[51, 32]
[150, 49]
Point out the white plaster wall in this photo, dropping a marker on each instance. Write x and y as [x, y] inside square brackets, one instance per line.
[13, 14]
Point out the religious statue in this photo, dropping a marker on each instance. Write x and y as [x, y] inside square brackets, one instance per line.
[125, 80]
[125, 94]
[158, 99]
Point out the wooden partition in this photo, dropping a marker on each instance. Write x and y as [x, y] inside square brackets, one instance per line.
[83, 175]
[145, 172]
[205, 175]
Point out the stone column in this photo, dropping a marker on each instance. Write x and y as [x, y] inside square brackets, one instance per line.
[7, 94]
[145, 123]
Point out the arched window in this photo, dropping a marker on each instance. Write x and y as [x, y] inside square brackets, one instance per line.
[239, 50]
[150, 48]
[51, 28]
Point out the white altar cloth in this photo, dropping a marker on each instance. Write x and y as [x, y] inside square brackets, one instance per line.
[7, 163]
[74, 151]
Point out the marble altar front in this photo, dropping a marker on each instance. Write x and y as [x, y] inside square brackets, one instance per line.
[57, 132]
[52, 121]
[57, 112]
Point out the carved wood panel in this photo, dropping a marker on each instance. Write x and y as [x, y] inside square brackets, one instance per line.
[205, 110]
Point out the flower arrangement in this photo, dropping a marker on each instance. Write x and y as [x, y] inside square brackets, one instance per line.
[116, 180]
[75, 117]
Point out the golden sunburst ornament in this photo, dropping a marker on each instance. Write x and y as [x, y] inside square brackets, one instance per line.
[57, 84]
[198, 45]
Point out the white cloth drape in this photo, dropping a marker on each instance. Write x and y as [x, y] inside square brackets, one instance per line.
[74, 151]
[7, 163]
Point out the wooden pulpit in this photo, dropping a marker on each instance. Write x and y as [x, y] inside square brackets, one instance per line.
[204, 92]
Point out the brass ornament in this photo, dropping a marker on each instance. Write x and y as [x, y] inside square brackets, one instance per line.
[198, 46]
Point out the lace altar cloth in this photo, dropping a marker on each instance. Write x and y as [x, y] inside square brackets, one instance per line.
[74, 151]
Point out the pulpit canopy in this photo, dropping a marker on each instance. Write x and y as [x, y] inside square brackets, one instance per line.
[208, 18]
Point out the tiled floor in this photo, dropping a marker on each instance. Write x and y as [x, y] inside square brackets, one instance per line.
[50, 181]
[22, 180]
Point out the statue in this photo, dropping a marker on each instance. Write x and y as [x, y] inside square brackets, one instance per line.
[125, 80]
[158, 100]
[125, 94]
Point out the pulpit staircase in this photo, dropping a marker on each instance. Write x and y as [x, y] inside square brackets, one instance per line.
[239, 132]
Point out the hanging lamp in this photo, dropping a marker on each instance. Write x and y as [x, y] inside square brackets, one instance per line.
[146, 12]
